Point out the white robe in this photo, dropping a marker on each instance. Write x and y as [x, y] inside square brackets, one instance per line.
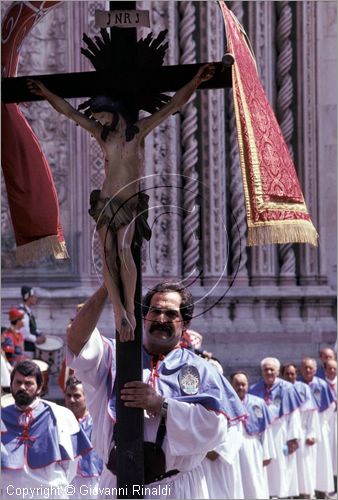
[50, 481]
[191, 429]
[307, 455]
[282, 471]
[333, 428]
[254, 450]
[324, 475]
[223, 475]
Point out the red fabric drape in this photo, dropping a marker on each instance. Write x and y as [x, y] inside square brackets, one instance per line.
[30, 187]
[275, 207]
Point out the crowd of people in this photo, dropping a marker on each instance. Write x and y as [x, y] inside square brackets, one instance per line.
[218, 438]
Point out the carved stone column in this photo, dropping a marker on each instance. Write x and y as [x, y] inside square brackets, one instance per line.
[238, 227]
[312, 261]
[213, 169]
[284, 113]
[189, 126]
[261, 34]
[161, 257]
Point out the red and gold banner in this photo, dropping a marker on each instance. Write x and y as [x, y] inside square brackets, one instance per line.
[275, 207]
[30, 187]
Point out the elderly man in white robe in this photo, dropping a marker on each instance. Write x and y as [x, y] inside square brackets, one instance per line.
[326, 406]
[284, 402]
[191, 427]
[258, 447]
[307, 451]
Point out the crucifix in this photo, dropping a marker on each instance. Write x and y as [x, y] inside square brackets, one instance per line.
[119, 78]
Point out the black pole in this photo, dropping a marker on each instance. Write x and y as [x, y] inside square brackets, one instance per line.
[129, 439]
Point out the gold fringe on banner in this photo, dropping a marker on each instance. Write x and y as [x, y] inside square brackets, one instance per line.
[299, 232]
[50, 245]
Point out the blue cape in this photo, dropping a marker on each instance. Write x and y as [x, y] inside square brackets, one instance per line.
[214, 391]
[259, 415]
[89, 464]
[37, 444]
[282, 397]
[322, 393]
[308, 400]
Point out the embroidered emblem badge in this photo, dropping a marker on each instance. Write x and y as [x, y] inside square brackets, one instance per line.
[189, 380]
[257, 411]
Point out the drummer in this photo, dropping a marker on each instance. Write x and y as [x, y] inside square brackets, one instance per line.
[12, 341]
[32, 336]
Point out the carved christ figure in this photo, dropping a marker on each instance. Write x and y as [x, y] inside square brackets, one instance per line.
[118, 208]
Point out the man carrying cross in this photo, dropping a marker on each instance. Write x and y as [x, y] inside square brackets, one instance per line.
[188, 406]
[118, 208]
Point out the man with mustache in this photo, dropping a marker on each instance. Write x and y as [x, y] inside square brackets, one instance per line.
[180, 391]
[40, 440]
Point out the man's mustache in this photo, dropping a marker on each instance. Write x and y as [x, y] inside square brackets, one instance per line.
[161, 327]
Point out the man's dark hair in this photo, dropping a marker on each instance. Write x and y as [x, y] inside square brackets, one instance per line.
[286, 366]
[187, 301]
[72, 382]
[28, 369]
[239, 372]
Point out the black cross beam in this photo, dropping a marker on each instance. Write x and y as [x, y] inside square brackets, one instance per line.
[92, 83]
[122, 80]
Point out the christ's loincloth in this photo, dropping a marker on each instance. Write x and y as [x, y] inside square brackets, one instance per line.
[115, 213]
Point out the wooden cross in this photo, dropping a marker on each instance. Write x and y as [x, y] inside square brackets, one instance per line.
[88, 84]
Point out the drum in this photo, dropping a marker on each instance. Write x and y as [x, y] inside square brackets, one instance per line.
[44, 368]
[51, 351]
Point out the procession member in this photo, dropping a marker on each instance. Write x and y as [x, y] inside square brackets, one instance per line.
[32, 336]
[40, 440]
[326, 406]
[119, 208]
[193, 340]
[90, 465]
[12, 341]
[331, 379]
[325, 355]
[180, 393]
[284, 402]
[258, 447]
[306, 454]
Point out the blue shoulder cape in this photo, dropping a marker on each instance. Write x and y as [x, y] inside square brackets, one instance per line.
[322, 393]
[259, 415]
[281, 397]
[213, 391]
[37, 442]
[89, 464]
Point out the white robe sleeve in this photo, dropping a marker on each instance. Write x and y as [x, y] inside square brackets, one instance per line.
[191, 428]
[294, 426]
[25, 330]
[268, 444]
[93, 362]
[311, 421]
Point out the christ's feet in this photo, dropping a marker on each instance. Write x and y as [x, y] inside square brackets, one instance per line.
[126, 330]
